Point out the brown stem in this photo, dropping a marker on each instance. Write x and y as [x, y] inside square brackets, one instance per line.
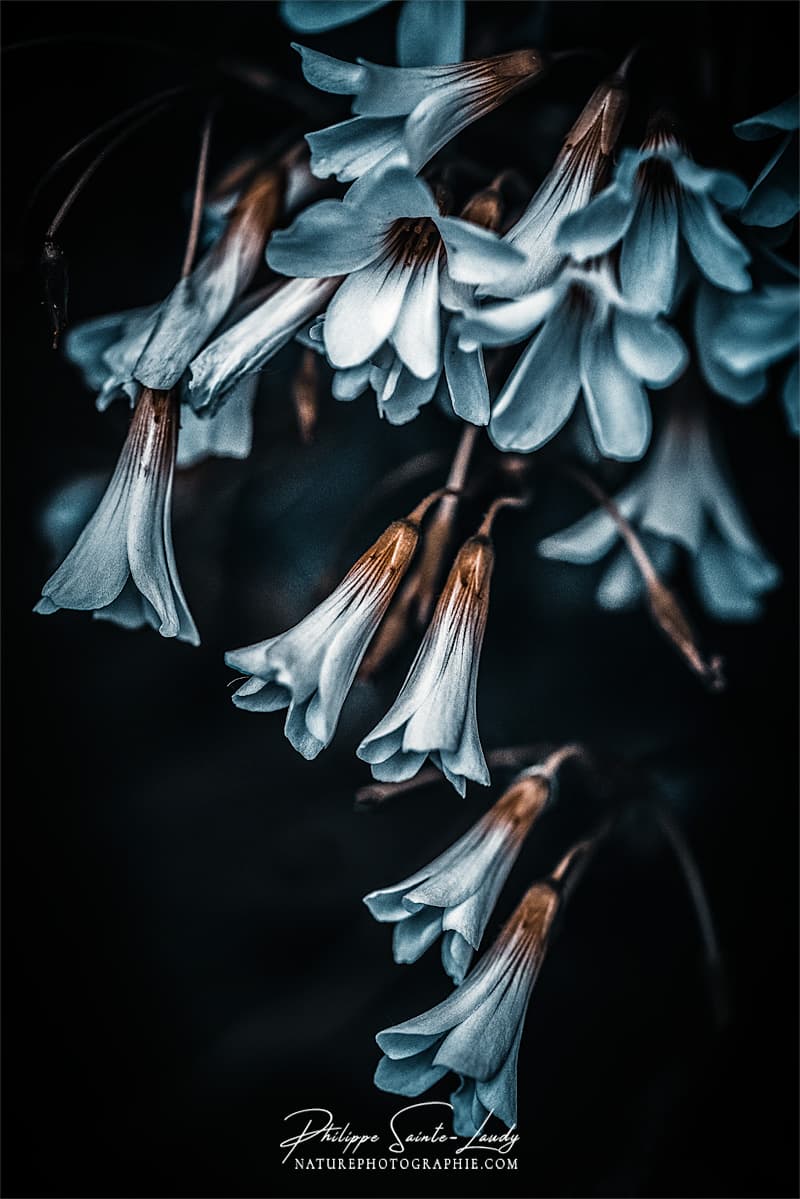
[664, 606]
[199, 197]
[503, 501]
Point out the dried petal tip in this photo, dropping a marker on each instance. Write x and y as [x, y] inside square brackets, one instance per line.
[671, 619]
[601, 119]
[55, 279]
[485, 208]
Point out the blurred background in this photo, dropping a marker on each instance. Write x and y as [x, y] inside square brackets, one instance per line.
[187, 958]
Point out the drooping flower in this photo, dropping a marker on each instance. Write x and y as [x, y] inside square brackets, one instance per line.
[233, 359]
[460, 383]
[435, 713]
[454, 896]
[310, 668]
[739, 337]
[476, 1031]
[591, 340]
[404, 261]
[659, 198]
[427, 33]
[122, 566]
[407, 112]
[577, 173]
[774, 198]
[681, 499]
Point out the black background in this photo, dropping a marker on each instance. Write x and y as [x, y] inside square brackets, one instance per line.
[186, 956]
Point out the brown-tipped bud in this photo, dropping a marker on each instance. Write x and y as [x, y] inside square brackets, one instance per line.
[305, 395]
[55, 281]
[485, 208]
[518, 67]
[602, 117]
[671, 619]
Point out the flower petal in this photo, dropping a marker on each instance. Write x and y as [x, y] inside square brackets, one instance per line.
[615, 401]
[317, 16]
[649, 259]
[325, 239]
[364, 311]
[417, 334]
[430, 33]
[649, 348]
[720, 255]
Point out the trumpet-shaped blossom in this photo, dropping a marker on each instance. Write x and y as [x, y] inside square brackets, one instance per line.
[427, 33]
[476, 1032]
[681, 499]
[232, 360]
[404, 262]
[435, 713]
[309, 669]
[774, 198]
[590, 341]
[577, 173]
[407, 113]
[122, 566]
[660, 198]
[454, 896]
[739, 338]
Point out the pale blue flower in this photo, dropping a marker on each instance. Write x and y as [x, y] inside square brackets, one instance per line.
[774, 198]
[739, 337]
[575, 176]
[454, 896]
[233, 359]
[310, 668]
[122, 566]
[476, 1031]
[660, 198]
[408, 113]
[680, 500]
[428, 33]
[590, 341]
[435, 713]
[406, 265]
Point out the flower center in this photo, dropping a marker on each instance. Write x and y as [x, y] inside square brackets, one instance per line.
[413, 241]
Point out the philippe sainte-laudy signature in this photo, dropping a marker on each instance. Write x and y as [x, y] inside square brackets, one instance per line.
[408, 1129]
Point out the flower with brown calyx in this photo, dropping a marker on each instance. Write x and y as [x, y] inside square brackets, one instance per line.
[122, 566]
[309, 669]
[454, 896]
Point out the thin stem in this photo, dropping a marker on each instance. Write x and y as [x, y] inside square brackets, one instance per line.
[97, 162]
[107, 127]
[461, 459]
[503, 501]
[509, 756]
[712, 954]
[664, 607]
[199, 196]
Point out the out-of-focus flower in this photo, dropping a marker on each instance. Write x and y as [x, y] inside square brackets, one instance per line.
[774, 198]
[454, 896]
[122, 566]
[592, 341]
[738, 337]
[659, 197]
[476, 1032]
[576, 175]
[680, 499]
[235, 357]
[310, 668]
[407, 113]
[404, 262]
[435, 713]
[427, 33]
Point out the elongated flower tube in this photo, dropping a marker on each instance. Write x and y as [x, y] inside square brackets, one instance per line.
[122, 566]
[408, 111]
[476, 1032]
[435, 713]
[235, 357]
[774, 198]
[310, 668]
[403, 260]
[453, 897]
[590, 341]
[427, 33]
[681, 499]
[660, 198]
[577, 173]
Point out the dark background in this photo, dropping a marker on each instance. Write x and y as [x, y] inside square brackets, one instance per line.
[187, 959]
